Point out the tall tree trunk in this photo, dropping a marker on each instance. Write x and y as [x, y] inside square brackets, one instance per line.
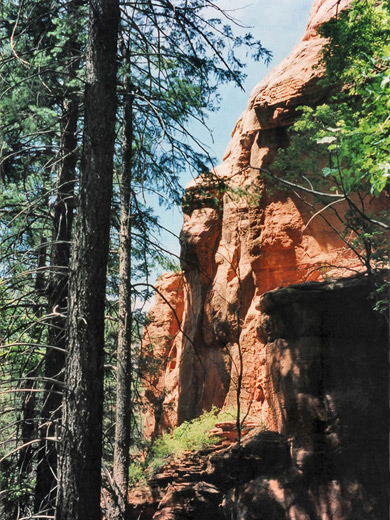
[57, 292]
[57, 302]
[81, 432]
[123, 388]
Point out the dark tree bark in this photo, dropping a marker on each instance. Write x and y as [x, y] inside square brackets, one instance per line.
[57, 302]
[57, 291]
[81, 433]
[123, 388]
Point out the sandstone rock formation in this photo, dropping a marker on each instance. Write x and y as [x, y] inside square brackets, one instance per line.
[271, 321]
[159, 351]
[235, 248]
[328, 387]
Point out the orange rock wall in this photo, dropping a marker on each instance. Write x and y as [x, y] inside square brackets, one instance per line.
[159, 350]
[327, 360]
[234, 249]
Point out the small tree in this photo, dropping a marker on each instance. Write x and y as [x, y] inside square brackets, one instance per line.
[343, 145]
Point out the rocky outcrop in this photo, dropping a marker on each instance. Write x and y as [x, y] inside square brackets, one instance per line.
[328, 391]
[201, 484]
[159, 353]
[239, 239]
[274, 317]
[328, 387]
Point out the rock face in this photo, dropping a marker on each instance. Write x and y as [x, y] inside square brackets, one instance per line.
[328, 387]
[234, 249]
[269, 324]
[159, 350]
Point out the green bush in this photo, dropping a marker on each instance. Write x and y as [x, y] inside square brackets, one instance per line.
[137, 473]
[189, 436]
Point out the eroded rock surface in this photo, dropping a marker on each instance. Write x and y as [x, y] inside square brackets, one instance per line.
[310, 359]
[328, 387]
[236, 247]
[159, 350]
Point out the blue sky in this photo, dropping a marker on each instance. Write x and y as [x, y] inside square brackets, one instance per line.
[280, 25]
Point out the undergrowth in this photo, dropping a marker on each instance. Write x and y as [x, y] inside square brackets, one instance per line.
[189, 436]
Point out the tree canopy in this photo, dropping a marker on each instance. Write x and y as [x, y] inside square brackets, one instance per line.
[76, 228]
[345, 142]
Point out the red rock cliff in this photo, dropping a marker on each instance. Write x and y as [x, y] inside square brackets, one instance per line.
[234, 250]
[327, 360]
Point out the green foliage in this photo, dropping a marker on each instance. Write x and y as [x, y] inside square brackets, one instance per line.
[358, 56]
[189, 436]
[212, 190]
[19, 489]
[341, 150]
[35, 79]
[355, 36]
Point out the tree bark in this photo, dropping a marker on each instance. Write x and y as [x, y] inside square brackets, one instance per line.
[57, 291]
[123, 388]
[81, 432]
[57, 302]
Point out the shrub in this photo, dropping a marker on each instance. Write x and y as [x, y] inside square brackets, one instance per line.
[189, 436]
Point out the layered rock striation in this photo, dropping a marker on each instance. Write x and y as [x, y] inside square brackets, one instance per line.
[241, 238]
[328, 386]
[270, 316]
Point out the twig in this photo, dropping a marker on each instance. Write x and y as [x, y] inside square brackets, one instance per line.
[13, 37]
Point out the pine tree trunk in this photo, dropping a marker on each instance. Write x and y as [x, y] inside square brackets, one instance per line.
[57, 291]
[57, 302]
[123, 389]
[81, 432]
